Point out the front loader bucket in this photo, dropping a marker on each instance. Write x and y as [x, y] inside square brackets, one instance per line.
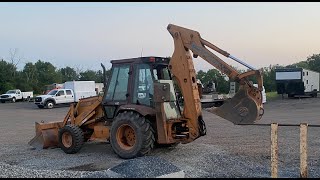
[244, 108]
[46, 135]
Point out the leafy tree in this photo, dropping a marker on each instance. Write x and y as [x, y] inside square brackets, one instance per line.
[29, 72]
[201, 75]
[301, 64]
[269, 77]
[46, 74]
[68, 74]
[7, 70]
[314, 62]
[88, 75]
[221, 81]
[21, 82]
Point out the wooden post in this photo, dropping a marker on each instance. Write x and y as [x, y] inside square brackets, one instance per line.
[274, 150]
[303, 151]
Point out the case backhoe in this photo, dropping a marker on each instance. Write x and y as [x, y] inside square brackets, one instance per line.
[139, 108]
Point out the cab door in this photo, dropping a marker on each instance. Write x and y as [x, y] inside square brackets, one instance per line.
[69, 96]
[118, 90]
[143, 85]
[60, 97]
[18, 95]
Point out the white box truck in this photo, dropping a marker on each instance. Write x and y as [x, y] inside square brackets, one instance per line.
[81, 89]
[99, 88]
[297, 82]
[71, 92]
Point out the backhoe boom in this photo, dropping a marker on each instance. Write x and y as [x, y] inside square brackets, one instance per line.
[245, 107]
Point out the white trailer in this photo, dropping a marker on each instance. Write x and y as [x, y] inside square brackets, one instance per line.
[297, 82]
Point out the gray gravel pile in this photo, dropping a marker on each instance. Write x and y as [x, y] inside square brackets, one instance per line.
[12, 171]
[145, 167]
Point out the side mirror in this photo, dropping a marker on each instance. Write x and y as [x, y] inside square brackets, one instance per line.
[57, 94]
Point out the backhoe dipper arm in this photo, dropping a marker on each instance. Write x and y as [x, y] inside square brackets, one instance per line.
[245, 107]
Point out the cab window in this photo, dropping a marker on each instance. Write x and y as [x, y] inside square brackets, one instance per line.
[143, 85]
[61, 93]
[118, 85]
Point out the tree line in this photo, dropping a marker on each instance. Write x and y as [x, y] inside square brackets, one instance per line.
[34, 76]
[223, 85]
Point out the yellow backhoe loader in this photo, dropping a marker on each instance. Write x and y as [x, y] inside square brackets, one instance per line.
[139, 107]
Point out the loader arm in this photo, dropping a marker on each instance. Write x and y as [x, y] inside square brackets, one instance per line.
[244, 108]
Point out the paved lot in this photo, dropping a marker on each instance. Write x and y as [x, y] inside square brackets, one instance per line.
[226, 151]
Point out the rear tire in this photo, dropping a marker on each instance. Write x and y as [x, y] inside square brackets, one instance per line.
[131, 135]
[71, 139]
[49, 104]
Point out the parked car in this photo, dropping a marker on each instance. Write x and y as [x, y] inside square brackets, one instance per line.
[16, 95]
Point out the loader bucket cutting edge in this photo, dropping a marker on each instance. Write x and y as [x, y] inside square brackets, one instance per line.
[46, 135]
[241, 109]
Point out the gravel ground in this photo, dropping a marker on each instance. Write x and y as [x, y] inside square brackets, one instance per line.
[226, 151]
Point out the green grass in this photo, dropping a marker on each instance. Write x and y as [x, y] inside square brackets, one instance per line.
[272, 95]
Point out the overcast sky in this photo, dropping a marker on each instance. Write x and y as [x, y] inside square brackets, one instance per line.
[84, 34]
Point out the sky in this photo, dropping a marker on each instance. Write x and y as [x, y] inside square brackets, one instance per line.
[83, 34]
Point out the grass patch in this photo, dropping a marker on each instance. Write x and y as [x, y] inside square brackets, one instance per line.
[272, 95]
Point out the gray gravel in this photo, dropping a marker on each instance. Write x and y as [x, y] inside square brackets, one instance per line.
[13, 171]
[226, 151]
[145, 167]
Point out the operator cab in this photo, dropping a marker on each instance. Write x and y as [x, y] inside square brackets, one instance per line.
[132, 82]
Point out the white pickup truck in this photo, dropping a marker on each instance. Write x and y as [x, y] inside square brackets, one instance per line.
[72, 92]
[16, 95]
[54, 97]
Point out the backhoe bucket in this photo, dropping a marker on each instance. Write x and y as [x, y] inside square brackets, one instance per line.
[46, 135]
[244, 108]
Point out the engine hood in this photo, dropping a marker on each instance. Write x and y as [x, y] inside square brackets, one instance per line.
[7, 94]
[45, 96]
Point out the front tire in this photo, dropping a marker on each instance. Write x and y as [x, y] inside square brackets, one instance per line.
[13, 100]
[131, 135]
[40, 106]
[49, 104]
[71, 139]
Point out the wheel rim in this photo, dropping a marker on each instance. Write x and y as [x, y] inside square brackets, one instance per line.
[126, 136]
[66, 139]
[50, 105]
[13, 100]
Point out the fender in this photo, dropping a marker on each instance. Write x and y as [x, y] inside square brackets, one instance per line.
[51, 99]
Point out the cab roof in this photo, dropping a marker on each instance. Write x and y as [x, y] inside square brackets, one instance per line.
[145, 59]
